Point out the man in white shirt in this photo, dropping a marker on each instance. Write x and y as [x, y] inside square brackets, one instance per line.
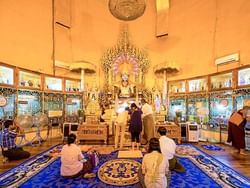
[168, 148]
[147, 120]
[120, 126]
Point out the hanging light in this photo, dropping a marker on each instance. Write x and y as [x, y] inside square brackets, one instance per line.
[127, 10]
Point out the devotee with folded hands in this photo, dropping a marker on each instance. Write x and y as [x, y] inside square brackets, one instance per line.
[154, 167]
[168, 148]
[73, 163]
[135, 126]
[8, 141]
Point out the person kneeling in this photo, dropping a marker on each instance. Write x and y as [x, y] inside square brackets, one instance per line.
[9, 147]
[154, 167]
[73, 163]
[168, 148]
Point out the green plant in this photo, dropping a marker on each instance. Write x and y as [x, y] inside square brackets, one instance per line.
[178, 113]
[81, 113]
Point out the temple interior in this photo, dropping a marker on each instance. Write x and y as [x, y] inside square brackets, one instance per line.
[73, 66]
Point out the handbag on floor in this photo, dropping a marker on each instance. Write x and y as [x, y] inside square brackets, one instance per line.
[94, 157]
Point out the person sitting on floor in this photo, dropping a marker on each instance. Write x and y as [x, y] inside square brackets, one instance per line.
[73, 163]
[154, 166]
[8, 144]
[168, 148]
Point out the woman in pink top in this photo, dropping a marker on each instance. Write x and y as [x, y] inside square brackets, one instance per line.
[72, 159]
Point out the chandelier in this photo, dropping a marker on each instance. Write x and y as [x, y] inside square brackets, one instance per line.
[127, 10]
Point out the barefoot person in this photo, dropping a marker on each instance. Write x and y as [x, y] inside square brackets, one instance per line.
[147, 120]
[168, 148]
[120, 126]
[154, 167]
[73, 163]
[236, 129]
[8, 142]
[135, 126]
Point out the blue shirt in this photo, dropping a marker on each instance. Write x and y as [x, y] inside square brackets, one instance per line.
[8, 139]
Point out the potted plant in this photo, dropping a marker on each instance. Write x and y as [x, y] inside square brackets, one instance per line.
[81, 115]
[178, 115]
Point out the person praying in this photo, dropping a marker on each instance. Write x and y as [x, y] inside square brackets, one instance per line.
[120, 126]
[135, 126]
[8, 141]
[147, 120]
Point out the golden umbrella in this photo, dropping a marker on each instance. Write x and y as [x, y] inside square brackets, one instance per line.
[166, 68]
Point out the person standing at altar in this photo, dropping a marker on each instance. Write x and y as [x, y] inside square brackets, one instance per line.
[236, 129]
[135, 126]
[8, 142]
[147, 120]
[120, 126]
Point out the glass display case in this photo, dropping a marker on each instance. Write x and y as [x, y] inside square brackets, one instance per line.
[177, 107]
[177, 87]
[52, 83]
[197, 85]
[29, 102]
[198, 110]
[72, 85]
[244, 77]
[8, 111]
[221, 108]
[221, 81]
[53, 107]
[29, 80]
[242, 98]
[73, 104]
[6, 75]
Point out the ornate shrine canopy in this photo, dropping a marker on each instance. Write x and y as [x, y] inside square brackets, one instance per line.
[124, 58]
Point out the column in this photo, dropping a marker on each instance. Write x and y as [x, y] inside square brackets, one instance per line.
[82, 79]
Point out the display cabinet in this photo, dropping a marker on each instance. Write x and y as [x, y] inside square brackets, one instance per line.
[221, 108]
[243, 77]
[221, 81]
[198, 110]
[177, 108]
[72, 85]
[242, 98]
[177, 86]
[53, 83]
[72, 105]
[8, 111]
[53, 107]
[197, 85]
[29, 102]
[29, 79]
[6, 75]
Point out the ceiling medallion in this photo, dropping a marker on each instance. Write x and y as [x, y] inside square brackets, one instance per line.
[127, 10]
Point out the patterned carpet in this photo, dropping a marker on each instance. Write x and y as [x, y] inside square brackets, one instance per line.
[202, 171]
[212, 147]
[120, 172]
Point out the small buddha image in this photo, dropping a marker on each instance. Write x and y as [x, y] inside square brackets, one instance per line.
[125, 88]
